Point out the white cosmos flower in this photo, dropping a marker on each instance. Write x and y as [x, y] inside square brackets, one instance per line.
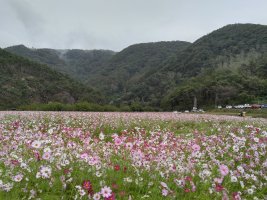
[128, 179]
[240, 169]
[47, 149]
[46, 156]
[45, 171]
[256, 140]
[36, 144]
[235, 148]
[98, 174]
[250, 191]
[101, 136]
[129, 145]
[97, 196]
[233, 179]
[50, 131]
[242, 184]
[38, 175]
[18, 177]
[82, 192]
[98, 166]
[264, 133]
[253, 177]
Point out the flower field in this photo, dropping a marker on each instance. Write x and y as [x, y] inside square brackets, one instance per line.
[71, 155]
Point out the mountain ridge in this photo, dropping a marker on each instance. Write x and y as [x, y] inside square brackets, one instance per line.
[148, 73]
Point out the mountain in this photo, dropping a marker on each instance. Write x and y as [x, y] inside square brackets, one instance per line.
[111, 73]
[125, 69]
[226, 66]
[84, 63]
[227, 49]
[229, 46]
[78, 64]
[23, 82]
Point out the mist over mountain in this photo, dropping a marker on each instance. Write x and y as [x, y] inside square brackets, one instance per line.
[74, 62]
[226, 66]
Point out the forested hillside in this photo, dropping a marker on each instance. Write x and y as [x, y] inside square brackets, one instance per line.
[78, 64]
[25, 82]
[224, 51]
[126, 68]
[222, 86]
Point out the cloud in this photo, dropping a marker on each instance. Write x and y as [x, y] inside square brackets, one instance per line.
[115, 24]
[29, 18]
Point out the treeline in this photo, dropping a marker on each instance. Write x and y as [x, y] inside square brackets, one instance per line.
[222, 86]
[85, 106]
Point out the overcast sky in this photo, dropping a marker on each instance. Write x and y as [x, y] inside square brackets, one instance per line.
[116, 24]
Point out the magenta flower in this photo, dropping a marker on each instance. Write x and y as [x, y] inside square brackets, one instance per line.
[219, 188]
[87, 185]
[112, 197]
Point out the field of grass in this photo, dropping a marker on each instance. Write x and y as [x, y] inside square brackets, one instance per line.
[76, 155]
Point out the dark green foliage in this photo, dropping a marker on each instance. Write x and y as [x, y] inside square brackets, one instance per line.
[85, 63]
[128, 67]
[24, 82]
[221, 87]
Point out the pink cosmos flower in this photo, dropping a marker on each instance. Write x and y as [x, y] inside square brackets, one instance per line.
[84, 156]
[236, 196]
[112, 197]
[225, 196]
[218, 180]
[224, 170]
[165, 192]
[196, 147]
[106, 192]
[163, 184]
[46, 156]
[117, 141]
[187, 190]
